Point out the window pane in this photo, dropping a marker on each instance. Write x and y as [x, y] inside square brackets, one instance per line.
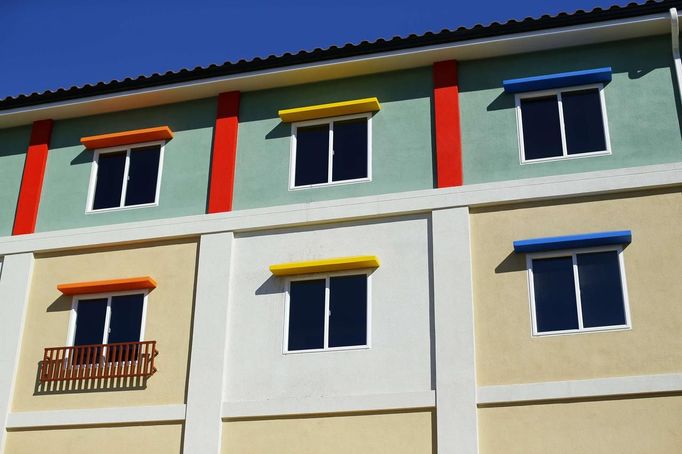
[350, 150]
[541, 128]
[306, 314]
[110, 168]
[142, 175]
[554, 285]
[583, 121]
[312, 155]
[90, 321]
[126, 318]
[601, 292]
[348, 307]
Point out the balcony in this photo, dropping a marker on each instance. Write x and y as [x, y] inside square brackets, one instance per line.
[99, 361]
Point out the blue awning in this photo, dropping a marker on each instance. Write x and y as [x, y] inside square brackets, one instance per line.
[584, 240]
[572, 78]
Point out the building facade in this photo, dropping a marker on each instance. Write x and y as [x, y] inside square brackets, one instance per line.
[462, 242]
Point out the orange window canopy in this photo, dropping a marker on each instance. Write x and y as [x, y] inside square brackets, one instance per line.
[108, 286]
[116, 139]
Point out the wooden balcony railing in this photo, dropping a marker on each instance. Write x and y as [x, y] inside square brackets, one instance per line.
[85, 362]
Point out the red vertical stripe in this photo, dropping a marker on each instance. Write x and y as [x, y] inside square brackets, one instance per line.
[448, 132]
[32, 180]
[221, 187]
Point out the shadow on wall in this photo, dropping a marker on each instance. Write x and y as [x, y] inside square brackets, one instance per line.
[512, 263]
[81, 386]
[636, 58]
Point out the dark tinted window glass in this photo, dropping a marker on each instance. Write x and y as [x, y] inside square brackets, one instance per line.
[601, 292]
[555, 305]
[350, 150]
[306, 314]
[142, 175]
[126, 318]
[110, 168]
[312, 155]
[583, 121]
[541, 128]
[348, 307]
[90, 321]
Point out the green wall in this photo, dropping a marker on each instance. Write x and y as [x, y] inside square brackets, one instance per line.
[640, 104]
[401, 138]
[13, 146]
[184, 181]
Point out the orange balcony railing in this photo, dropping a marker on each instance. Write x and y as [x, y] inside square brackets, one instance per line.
[85, 362]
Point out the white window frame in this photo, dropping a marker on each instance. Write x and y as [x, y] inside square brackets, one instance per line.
[71, 333]
[326, 277]
[576, 282]
[127, 148]
[557, 92]
[330, 122]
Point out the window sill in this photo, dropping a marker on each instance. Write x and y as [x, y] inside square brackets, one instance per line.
[567, 157]
[333, 183]
[124, 208]
[600, 329]
[331, 349]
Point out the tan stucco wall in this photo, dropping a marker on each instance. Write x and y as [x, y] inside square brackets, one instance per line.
[390, 433]
[642, 426]
[162, 439]
[505, 350]
[169, 316]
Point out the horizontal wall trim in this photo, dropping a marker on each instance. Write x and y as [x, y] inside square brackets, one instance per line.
[579, 389]
[96, 416]
[395, 204]
[559, 37]
[338, 404]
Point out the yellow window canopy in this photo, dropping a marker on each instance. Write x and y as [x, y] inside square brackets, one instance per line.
[109, 285]
[127, 137]
[333, 109]
[322, 266]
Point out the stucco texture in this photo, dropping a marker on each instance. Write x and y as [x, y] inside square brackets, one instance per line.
[629, 426]
[390, 433]
[13, 147]
[142, 439]
[184, 179]
[401, 138]
[640, 105]
[507, 353]
[169, 318]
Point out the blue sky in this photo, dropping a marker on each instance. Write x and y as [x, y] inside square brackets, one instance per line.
[47, 44]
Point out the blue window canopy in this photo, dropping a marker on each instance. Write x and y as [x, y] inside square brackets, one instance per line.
[558, 80]
[584, 240]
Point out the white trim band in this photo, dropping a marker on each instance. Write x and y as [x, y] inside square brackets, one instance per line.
[337, 404]
[579, 389]
[96, 416]
[474, 195]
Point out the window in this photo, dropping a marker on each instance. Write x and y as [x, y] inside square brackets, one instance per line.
[331, 151]
[125, 177]
[327, 313]
[562, 124]
[107, 319]
[578, 291]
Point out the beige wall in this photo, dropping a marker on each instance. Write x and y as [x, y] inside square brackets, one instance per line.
[643, 426]
[391, 433]
[162, 439]
[505, 350]
[169, 316]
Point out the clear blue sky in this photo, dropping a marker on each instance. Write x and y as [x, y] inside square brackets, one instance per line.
[47, 44]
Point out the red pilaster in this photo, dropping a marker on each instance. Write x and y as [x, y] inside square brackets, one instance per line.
[32, 180]
[221, 187]
[448, 132]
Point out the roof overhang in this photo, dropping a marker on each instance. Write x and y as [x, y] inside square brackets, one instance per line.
[554, 38]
